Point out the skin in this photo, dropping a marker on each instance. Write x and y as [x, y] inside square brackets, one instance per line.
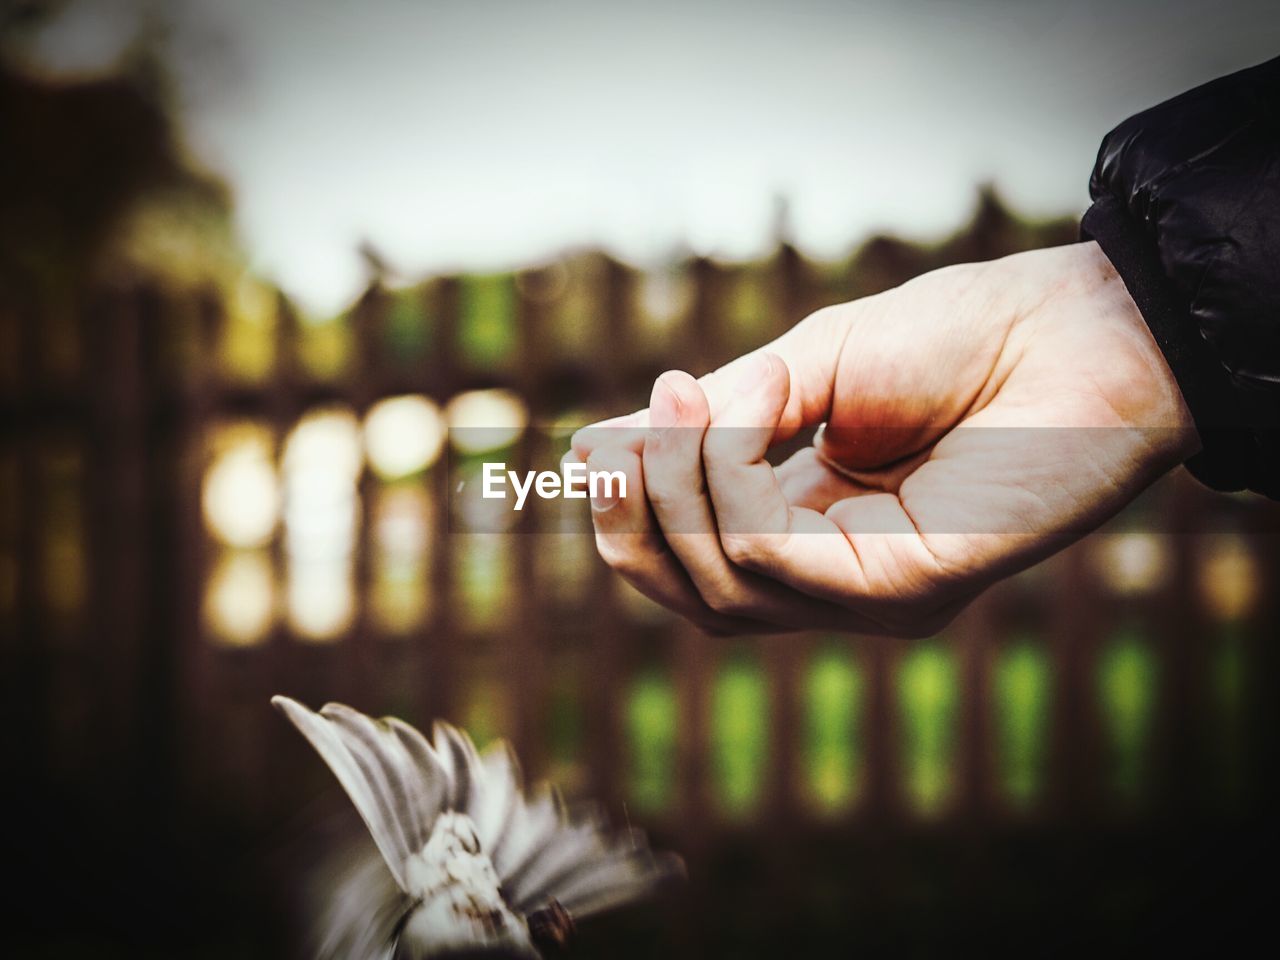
[899, 514]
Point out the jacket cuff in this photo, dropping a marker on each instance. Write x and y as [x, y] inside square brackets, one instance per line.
[1225, 460]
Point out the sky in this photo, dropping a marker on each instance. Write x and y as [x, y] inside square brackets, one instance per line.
[488, 134]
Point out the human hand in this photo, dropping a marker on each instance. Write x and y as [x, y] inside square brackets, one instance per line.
[978, 418]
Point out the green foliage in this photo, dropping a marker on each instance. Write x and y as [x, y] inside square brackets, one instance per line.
[652, 722]
[565, 720]
[483, 569]
[487, 320]
[928, 688]
[1022, 692]
[485, 716]
[833, 689]
[1127, 676]
[739, 735]
[407, 329]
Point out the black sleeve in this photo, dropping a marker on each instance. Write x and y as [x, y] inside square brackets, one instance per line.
[1187, 208]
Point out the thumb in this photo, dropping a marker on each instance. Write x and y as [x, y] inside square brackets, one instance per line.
[809, 351]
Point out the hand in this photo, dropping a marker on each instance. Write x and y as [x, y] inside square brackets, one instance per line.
[978, 419]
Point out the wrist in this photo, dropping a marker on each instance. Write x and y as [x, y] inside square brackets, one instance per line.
[1114, 350]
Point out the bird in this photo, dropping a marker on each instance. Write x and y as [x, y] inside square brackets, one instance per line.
[464, 861]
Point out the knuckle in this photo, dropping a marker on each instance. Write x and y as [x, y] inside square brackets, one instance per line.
[730, 602]
[921, 616]
[744, 550]
[616, 554]
[660, 498]
[824, 316]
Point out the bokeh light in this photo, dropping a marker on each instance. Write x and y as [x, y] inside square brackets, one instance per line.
[1127, 679]
[1021, 687]
[833, 699]
[928, 690]
[402, 538]
[321, 466]
[1134, 562]
[485, 420]
[652, 725]
[240, 600]
[1228, 578]
[403, 435]
[321, 598]
[241, 495]
[739, 735]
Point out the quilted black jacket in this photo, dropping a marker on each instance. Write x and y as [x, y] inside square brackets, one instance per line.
[1187, 207]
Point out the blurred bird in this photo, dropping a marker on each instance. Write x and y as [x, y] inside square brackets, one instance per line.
[465, 863]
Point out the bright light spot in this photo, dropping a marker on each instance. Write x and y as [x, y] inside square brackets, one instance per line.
[322, 459]
[483, 420]
[1133, 562]
[321, 466]
[1229, 579]
[239, 600]
[403, 435]
[401, 595]
[320, 515]
[321, 598]
[241, 496]
[326, 439]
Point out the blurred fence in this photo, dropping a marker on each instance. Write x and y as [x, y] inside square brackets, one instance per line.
[209, 499]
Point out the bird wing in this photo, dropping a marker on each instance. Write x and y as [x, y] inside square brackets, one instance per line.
[626, 871]
[397, 782]
[587, 868]
[357, 906]
[497, 792]
[542, 851]
[400, 784]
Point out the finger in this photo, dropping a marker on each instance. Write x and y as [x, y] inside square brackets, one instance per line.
[677, 493]
[808, 481]
[863, 554]
[629, 542]
[810, 351]
[759, 529]
[743, 486]
[626, 432]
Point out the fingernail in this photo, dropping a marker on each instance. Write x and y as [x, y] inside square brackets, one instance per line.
[664, 406]
[603, 504]
[604, 496]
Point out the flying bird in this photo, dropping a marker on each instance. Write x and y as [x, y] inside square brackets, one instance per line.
[466, 862]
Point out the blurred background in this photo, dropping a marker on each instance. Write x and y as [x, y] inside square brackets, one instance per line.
[260, 264]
